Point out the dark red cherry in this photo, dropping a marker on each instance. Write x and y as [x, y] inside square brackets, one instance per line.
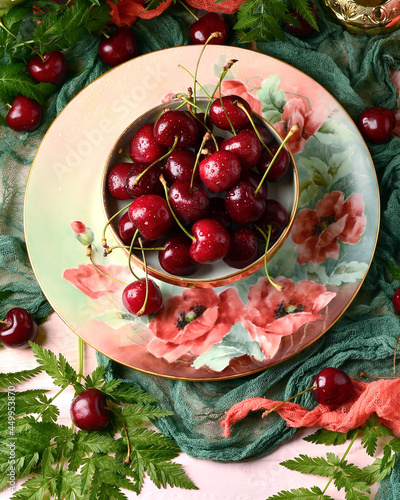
[334, 387]
[151, 215]
[24, 115]
[143, 146]
[219, 171]
[88, 410]
[218, 212]
[134, 296]
[127, 230]
[149, 182]
[274, 215]
[175, 258]
[116, 181]
[300, 27]
[50, 68]
[396, 300]
[211, 243]
[255, 179]
[228, 107]
[175, 123]
[179, 166]
[18, 328]
[118, 47]
[376, 124]
[243, 249]
[246, 146]
[280, 166]
[264, 133]
[211, 22]
[242, 205]
[210, 146]
[189, 203]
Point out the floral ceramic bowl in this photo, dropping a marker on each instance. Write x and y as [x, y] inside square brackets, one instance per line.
[286, 192]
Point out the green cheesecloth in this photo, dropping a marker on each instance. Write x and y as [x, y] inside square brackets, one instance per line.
[355, 70]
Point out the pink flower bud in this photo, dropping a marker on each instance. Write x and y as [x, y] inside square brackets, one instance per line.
[78, 227]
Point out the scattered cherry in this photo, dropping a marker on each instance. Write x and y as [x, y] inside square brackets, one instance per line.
[88, 410]
[175, 258]
[334, 387]
[203, 28]
[151, 215]
[118, 47]
[24, 115]
[376, 124]
[301, 28]
[229, 107]
[134, 296]
[51, 67]
[396, 300]
[18, 328]
[116, 180]
[143, 146]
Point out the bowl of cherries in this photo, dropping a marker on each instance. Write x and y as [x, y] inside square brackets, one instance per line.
[204, 188]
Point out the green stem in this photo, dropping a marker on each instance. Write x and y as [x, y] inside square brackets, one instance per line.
[89, 254]
[240, 105]
[205, 139]
[142, 309]
[51, 401]
[103, 234]
[267, 239]
[20, 41]
[130, 255]
[80, 359]
[267, 412]
[128, 455]
[189, 10]
[199, 84]
[213, 35]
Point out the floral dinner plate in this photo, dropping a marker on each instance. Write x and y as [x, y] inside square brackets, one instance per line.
[207, 333]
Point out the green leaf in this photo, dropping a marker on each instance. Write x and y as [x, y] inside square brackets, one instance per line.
[323, 436]
[313, 493]
[371, 432]
[272, 98]
[318, 466]
[135, 414]
[375, 472]
[15, 81]
[15, 378]
[32, 489]
[169, 473]
[124, 392]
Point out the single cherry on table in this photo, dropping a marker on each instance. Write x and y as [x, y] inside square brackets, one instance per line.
[333, 387]
[118, 47]
[50, 68]
[18, 328]
[376, 124]
[24, 115]
[210, 23]
[88, 410]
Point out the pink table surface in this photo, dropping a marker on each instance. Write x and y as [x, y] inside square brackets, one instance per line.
[252, 480]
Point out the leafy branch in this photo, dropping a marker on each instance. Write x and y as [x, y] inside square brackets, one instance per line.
[78, 464]
[354, 480]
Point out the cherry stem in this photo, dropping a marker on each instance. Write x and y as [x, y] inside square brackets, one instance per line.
[126, 247]
[240, 105]
[128, 445]
[267, 239]
[80, 359]
[367, 375]
[103, 234]
[189, 10]
[142, 309]
[164, 183]
[199, 84]
[130, 255]
[205, 139]
[213, 35]
[290, 133]
[19, 40]
[136, 181]
[224, 72]
[89, 254]
[122, 153]
[395, 354]
[4, 322]
[266, 413]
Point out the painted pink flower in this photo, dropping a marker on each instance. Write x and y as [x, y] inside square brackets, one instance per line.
[83, 233]
[317, 233]
[192, 322]
[236, 87]
[168, 97]
[92, 283]
[271, 314]
[78, 227]
[297, 111]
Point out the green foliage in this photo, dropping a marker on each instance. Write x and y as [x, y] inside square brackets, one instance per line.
[76, 465]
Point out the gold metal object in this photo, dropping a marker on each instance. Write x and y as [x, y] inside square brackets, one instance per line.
[366, 17]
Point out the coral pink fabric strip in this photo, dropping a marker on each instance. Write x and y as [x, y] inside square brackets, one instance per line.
[381, 397]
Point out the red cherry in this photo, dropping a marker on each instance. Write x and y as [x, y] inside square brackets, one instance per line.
[210, 147]
[243, 249]
[220, 171]
[246, 146]
[18, 328]
[255, 179]
[134, 295]
[376, 124]
[24, 115]
[151, 215]
[334, 387]
[212, 22]
[174, 123]
[241, 204]
[274, 215]
[119, 47]
[300, 27]
[88, 410]
[116, 181]
[280, 166]
[179, 166]
[264, 133]
[211, 243]
[143, 146]
[396, 300]
[190, 203]
[218, 212]
[229, 107]
[51, 67]
[127, 230]
[148, 183]
[175, 258]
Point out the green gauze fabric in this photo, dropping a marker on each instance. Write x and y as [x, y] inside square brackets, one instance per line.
[355, 70]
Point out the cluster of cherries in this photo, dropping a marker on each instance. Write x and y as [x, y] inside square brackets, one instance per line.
[213, 185]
